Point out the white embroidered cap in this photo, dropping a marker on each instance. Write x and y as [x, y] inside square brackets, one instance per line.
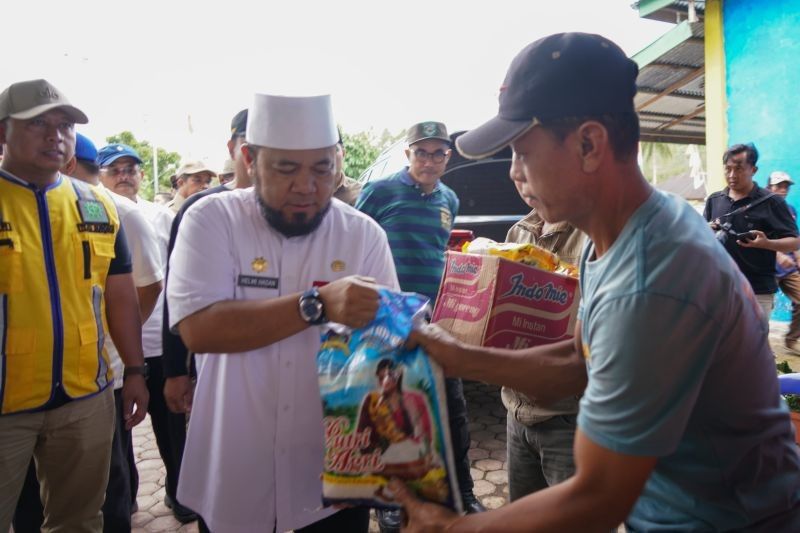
[291, 122]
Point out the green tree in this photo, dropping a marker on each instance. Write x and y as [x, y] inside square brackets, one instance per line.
[362, 148]
[661, 161]
[168, 163]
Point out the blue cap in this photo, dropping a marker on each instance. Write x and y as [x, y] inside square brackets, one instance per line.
[85, 149]
[112, 152]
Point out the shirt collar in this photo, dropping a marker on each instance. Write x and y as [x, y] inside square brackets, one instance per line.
[406, 179]
[755, 192]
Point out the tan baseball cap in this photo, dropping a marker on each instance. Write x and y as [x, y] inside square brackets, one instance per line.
[228, 167]
[194, 167]
[28, 99]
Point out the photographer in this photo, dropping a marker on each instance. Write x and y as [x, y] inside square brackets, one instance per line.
[752, 223]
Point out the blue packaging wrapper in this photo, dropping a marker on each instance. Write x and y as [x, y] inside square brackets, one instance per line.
[384, 411]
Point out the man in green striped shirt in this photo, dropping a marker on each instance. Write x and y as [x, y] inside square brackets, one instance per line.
[417, 211]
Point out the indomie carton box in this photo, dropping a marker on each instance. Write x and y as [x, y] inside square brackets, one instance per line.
[491, 301]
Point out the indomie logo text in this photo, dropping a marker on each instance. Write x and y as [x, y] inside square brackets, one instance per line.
[536, 292]
[463, 268]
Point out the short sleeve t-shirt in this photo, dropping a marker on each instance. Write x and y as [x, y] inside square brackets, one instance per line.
[680, 369]
[148, 263]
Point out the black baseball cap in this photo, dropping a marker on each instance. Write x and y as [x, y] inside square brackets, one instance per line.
[559, 76]
[239, 124]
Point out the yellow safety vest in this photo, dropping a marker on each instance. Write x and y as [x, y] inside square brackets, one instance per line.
[56, 245]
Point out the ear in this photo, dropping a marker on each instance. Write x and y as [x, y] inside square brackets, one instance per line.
[593, 145]
[231, 146]
[755, 169]
[249, 154]
[3, 126]
[408, 154]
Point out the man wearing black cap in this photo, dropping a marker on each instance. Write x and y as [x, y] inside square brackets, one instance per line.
[681, 426]
[177, 386]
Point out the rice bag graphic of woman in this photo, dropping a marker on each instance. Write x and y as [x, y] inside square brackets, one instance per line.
[400, 425]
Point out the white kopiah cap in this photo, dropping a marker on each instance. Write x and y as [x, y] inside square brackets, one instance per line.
[291, 122]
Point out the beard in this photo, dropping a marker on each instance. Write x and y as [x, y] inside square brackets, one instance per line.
[299, 225]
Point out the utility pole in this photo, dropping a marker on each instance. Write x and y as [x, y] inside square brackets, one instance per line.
[155, 169]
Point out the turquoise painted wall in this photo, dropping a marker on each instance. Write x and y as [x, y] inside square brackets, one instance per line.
[762, 56]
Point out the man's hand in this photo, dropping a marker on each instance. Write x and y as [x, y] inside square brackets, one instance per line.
[179, 393]
[421, 516]
[440, 346]
[760, 241]
[134, 393]
[352, 301]
[714, 224]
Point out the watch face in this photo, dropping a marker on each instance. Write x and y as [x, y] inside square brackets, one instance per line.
[311, 309]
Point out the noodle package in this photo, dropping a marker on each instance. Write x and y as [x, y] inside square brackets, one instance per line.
[384, 411]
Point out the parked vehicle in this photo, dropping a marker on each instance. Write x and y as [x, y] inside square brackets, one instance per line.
[489, 201]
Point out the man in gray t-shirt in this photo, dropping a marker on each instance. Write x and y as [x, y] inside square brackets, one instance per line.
[681, 427]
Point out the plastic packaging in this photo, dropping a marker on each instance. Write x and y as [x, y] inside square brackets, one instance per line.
[384, 411]
[526, 253]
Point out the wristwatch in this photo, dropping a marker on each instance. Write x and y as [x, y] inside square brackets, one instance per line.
[142, 370]
[312, 310]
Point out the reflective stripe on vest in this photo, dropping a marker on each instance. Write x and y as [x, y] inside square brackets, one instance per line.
[53, 271]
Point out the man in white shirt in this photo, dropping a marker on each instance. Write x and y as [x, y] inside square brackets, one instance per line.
[252, 275]
[121, 172]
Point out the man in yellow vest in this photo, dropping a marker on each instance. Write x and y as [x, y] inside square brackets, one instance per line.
[65, 280]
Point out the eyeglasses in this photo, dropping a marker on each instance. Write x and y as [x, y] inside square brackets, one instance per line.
[114, 172]
[437, 156]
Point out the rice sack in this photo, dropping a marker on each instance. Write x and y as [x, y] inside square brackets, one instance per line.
[384, 411]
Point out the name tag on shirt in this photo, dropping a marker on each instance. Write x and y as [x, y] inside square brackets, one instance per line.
[95, 227]
[261, 282]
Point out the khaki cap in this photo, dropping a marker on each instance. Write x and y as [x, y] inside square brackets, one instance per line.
[228, 167]
[194, 167]
[28, 99]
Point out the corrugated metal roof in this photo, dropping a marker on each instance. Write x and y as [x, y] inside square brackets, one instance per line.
[668, 10]
[671, 96]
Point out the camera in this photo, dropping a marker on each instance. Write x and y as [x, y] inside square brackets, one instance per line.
[726, 230]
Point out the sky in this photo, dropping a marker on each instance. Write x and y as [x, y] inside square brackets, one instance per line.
[175, 72]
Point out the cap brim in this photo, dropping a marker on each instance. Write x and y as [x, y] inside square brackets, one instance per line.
[76, 114]
[443, 139]
[198, 171]
[491, 137]
[113, 157]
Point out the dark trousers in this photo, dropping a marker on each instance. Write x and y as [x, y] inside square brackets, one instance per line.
[353, 520]
[168, 427]
[459, 432]
[29, 516]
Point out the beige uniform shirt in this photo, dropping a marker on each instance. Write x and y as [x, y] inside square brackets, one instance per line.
[348, 190]
[566, 241]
